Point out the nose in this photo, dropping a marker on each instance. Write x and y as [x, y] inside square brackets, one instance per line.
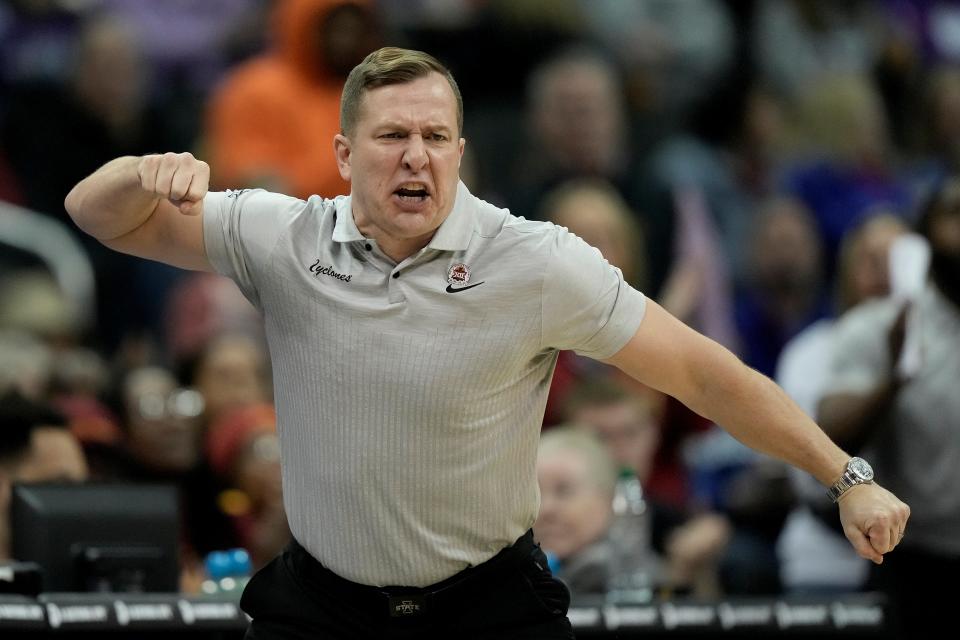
[415, 154]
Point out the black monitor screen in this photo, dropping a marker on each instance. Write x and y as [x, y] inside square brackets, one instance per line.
[98, 537]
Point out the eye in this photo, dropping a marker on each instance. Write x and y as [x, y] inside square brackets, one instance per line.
[438, 137]
[392, 135]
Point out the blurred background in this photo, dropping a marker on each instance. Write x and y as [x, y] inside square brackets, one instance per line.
[748, 164]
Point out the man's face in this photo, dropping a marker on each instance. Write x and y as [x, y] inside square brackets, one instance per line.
[869, 268]
[627, 430]
[163, 426]
[403, 159]
[55, 456]
[579, 119]
[574, 511]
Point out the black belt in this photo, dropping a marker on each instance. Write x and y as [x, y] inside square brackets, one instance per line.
[411, 602]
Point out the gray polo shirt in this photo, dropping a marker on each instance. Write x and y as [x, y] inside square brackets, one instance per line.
[410, 396]
[915, 450]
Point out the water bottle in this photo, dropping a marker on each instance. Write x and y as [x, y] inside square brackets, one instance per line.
[228, 572]
[630, 575]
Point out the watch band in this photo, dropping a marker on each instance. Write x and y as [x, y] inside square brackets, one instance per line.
[841, 486]
[856, 472]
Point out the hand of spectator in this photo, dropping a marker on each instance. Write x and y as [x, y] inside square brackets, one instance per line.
[697, 543]
[897, 336]
[178, 177]
[873, 519]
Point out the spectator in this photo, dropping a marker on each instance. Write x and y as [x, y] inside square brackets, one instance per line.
[230, 371]
[910, 424]
[162, 444]
[26, 365]
[271, 121]
[100, 113]
[814, 555]
[852, 169]
[798, 42]
[594, 210]
[690, 543]
[579, 129]
[785, 290]
[243, 450]
[577, 477]
[35, 446]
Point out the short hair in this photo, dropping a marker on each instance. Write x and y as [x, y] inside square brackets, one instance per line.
[559, 64]
[19, 418]
[602, 392]
[386, 66]
[602, 470]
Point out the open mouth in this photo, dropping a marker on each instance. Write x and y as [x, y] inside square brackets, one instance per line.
[412, 193]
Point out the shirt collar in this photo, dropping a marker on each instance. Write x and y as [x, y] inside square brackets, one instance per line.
[454, 233]
[457, 230]
[345, 228]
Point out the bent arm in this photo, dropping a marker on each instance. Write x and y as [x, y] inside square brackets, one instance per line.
[669, 356]
[150, 206]
[850, 418]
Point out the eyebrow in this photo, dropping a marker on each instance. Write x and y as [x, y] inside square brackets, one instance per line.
[434, 127]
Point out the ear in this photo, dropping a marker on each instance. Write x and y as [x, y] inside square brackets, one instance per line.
[341, 147]
[463, 142]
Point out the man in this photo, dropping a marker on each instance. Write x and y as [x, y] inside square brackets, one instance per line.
[814, 556]
[577, 477]
[413, 330]
[911, 425]
[35, 446]
[689, 543]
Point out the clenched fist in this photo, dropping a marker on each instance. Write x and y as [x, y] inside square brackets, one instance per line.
[178, 177]
[874, 520]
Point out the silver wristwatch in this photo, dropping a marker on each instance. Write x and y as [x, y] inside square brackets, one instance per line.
[858, 471]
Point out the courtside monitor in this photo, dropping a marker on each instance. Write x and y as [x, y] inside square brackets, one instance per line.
[98, 537]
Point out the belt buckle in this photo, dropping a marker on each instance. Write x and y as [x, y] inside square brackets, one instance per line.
[407, 606]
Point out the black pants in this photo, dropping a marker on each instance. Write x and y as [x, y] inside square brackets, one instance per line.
[512, 596]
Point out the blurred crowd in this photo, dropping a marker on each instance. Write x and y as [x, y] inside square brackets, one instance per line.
[747, 164]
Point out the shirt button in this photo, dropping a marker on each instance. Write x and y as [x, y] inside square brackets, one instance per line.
[396, 274]
[369, 247]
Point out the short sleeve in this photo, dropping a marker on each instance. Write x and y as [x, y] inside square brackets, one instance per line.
[860, 356]
[587, 305]
[240, 231]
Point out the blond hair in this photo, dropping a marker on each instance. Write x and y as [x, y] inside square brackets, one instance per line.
[601, 468]
[386, 66]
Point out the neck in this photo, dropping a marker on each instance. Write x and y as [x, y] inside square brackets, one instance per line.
[400, 250]
[397, 249]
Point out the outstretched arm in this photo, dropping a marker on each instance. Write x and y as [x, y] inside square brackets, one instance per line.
[149, 206]
[668, 356]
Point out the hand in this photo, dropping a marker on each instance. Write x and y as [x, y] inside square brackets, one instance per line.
[178, 177]
[873, 519]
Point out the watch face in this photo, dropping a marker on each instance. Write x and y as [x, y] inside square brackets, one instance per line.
[861, 469]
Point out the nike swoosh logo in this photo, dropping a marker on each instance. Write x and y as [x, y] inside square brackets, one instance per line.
[450, 288]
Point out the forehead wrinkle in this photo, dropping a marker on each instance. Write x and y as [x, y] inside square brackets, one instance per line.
[425, 104]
